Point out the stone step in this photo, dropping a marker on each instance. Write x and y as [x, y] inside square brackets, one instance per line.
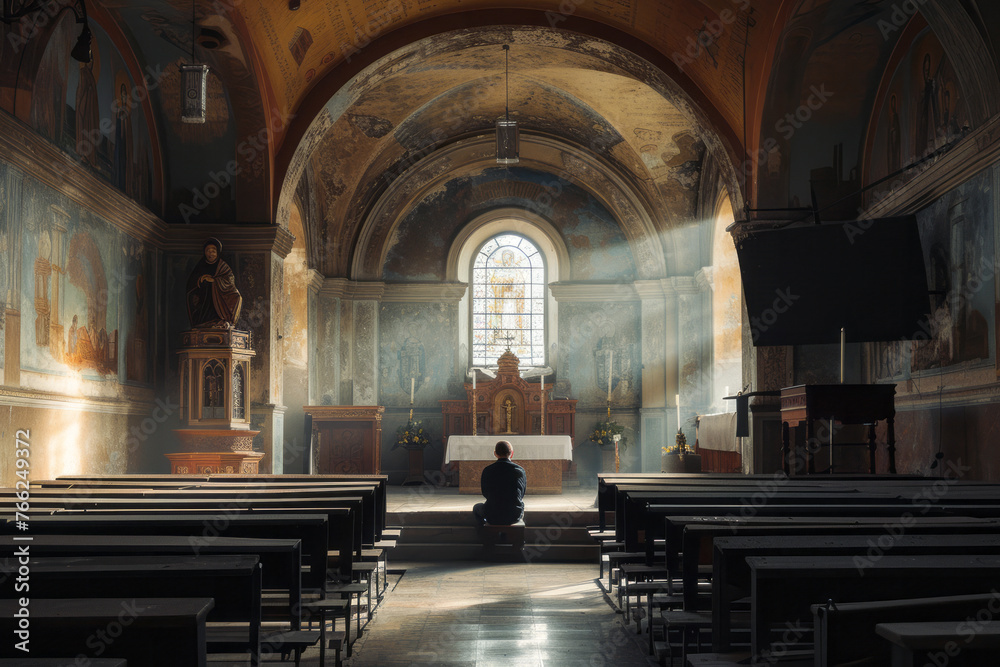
[580, 518]
[552, 534]
[540, 553]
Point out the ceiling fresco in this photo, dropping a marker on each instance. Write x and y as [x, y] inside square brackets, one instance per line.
[327, 108]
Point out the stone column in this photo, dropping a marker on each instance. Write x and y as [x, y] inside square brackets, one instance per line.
[653, 409]
[690, 370]
[348, 319]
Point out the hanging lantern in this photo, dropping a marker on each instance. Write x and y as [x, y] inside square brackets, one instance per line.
[508, 140]
[194, 84]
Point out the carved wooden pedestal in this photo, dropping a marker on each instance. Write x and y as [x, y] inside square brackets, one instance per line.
[215, 372]
[215, 451]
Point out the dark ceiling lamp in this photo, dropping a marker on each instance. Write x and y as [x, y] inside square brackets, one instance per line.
[81, 50]
[194, 84]
[14, 12]
[508, 141]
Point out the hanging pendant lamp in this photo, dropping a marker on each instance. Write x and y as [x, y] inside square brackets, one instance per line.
[508, 141]
[194, 85]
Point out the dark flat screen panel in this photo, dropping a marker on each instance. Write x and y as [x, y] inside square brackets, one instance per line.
[802, 284]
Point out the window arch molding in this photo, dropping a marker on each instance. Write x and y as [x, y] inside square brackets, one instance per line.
[510, 220]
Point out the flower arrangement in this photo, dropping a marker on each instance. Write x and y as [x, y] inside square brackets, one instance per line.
[672, 449]
[605, 431]
[411, 436]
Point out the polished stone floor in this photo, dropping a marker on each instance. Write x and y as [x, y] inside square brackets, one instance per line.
[479, 614]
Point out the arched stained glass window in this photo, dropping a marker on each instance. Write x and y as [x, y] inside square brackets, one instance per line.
[508, 301]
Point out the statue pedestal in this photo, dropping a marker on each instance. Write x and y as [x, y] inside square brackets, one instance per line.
[215, 372]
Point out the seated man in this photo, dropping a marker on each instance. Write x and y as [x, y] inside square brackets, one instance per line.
[503, 484]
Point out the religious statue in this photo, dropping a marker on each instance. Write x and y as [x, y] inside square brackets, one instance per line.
[212, 297]
[508, 406]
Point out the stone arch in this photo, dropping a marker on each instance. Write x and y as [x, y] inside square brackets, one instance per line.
[629, 208]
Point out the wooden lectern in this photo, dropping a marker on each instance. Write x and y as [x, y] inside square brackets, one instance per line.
[845, 403]
[346, 439]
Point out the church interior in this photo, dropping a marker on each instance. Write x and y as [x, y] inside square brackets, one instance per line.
[318, 239]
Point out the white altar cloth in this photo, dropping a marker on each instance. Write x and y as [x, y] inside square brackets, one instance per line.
[526, 447]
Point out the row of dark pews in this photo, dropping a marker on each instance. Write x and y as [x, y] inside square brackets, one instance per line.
[167, 570]
[724, 570]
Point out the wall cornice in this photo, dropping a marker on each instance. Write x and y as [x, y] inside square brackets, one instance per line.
[24, 149]
[969, 157]
[342, 288]
[424, 292]
[188, 239]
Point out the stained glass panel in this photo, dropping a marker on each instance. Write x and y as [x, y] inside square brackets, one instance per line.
[508, 304]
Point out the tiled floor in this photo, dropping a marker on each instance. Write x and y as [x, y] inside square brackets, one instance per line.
[479, 614]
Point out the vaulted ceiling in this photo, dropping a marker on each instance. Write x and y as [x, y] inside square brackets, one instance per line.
[352, 96]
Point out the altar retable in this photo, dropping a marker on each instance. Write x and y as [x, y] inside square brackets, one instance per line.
[509, 408]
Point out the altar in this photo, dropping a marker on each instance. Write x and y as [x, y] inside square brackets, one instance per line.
[541, 456]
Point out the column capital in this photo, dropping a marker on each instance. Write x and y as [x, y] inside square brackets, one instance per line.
[581, 292]
[342, 288]
[684, 285]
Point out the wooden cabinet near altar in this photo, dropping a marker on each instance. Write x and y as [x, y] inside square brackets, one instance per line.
[346, 439]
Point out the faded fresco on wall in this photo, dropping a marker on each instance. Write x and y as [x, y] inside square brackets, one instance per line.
[922, 110]
[595, 340]
[416, 341]
[597, 247]
[957, 235]
[84, 285]
[94, 111]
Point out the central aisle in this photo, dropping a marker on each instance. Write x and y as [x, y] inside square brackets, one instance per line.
[478, 614]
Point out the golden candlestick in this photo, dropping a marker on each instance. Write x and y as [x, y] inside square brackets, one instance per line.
[474, 420]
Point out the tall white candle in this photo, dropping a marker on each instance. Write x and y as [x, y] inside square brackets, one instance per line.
[473, 380]
[611, 365]
[412, 385]
[677, 400]
[543, 383]
[843, 343]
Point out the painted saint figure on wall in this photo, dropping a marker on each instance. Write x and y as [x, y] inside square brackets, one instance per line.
[212, 297]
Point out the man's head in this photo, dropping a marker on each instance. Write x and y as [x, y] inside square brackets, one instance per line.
[503, 450]
[212, 248]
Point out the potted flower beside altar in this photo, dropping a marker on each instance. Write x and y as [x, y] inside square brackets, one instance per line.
[412, 437]
[678, 458]
[610, 437]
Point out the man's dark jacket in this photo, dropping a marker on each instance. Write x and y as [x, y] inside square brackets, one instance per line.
[503, 485]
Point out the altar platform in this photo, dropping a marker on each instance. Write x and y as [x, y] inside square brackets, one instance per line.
[437, 525]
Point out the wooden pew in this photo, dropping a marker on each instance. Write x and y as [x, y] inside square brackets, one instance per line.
[157, 632]
[942, 643]
[59, 662]
[280, 559]
[846, 633]
[344, 531]
[201, 530]
[731, 574]
[380, 481]
[234, 582]
[785, 587]
[230, 497]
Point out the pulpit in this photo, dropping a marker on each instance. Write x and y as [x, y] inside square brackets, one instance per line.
[214, 404]
[507, 406]
[346, 439]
